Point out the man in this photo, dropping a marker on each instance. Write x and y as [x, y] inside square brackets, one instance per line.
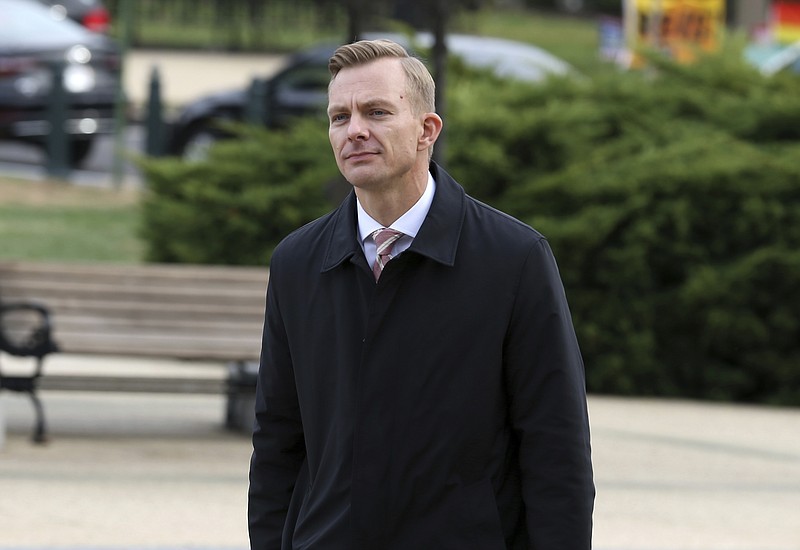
[420, 389]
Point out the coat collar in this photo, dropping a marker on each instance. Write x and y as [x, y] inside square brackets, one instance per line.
[437, 238]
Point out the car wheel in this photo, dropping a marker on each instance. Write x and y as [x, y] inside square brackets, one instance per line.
[197, 142]
[79, 150]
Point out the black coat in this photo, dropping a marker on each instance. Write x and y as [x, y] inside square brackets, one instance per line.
[442, 408]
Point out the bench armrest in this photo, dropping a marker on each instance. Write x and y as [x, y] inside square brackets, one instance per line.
[25, 330]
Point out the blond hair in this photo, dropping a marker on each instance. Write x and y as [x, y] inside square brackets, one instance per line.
[422, 88]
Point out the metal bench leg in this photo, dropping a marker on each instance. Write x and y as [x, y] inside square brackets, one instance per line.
[40, 428]
[27, 384]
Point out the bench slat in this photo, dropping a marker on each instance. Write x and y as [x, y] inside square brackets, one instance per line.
[121, 325]
[152, 345]
[148, 272]
[132, 384]
[118, 293]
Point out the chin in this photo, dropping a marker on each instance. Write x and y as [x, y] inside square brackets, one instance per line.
[361, 177]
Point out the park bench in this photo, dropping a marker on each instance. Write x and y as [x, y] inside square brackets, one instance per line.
[189, 313]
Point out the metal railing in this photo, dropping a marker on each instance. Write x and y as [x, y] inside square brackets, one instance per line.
[228, 25]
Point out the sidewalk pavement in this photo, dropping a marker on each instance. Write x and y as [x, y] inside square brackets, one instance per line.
[155, 471]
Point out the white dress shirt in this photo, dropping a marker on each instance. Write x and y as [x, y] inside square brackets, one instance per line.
[408, 224]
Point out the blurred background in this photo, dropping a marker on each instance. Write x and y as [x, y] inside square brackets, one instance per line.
[153, 153]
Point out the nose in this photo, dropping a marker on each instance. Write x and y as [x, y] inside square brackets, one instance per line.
[356, 129]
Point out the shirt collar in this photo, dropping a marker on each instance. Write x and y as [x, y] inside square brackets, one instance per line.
[437, 239]
[408, 224]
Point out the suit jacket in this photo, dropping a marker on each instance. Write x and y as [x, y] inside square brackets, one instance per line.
[442, 408]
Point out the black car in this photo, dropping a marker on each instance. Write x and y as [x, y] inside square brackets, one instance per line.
[301, 87]
[32, 42]
[92, 14]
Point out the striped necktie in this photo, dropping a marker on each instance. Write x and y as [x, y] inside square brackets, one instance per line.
[384, 240]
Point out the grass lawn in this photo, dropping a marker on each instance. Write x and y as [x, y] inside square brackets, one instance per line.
[574, 39]
[44, 221]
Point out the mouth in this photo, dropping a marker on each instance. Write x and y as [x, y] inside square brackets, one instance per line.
[359, 155]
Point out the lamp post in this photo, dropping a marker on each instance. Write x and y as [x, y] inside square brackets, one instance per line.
[58, 141]
[440, 14]
[124, 18]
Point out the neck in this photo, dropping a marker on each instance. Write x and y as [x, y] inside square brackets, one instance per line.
[387, 204]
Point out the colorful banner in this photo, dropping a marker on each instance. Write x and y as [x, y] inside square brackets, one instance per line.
[786, 21]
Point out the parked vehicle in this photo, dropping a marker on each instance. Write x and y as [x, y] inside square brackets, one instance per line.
[578, 7]
[300, 87]
[92, 14]
[32, 43]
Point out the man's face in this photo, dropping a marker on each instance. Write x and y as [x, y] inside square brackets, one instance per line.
[374, 131]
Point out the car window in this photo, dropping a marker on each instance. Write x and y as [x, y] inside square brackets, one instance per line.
[304, 78]
[25, 24]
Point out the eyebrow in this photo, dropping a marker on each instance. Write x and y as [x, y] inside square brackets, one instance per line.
[368, 104]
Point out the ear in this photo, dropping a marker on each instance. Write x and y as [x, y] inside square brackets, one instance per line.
[431, 128]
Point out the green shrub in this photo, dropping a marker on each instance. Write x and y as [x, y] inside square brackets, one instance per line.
[639, 243]
[237, 205]
[745, 318]
[661, 193]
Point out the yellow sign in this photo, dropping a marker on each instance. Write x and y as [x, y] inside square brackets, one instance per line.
[713, 6]
[679, 27]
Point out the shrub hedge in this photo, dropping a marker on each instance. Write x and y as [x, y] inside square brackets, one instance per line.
[234, 207]
[671, 198]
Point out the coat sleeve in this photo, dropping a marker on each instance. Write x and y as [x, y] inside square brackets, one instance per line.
[546, 384]
[278, 444]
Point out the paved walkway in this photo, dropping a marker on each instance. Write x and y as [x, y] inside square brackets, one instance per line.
[188, 75]
[151, 471]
